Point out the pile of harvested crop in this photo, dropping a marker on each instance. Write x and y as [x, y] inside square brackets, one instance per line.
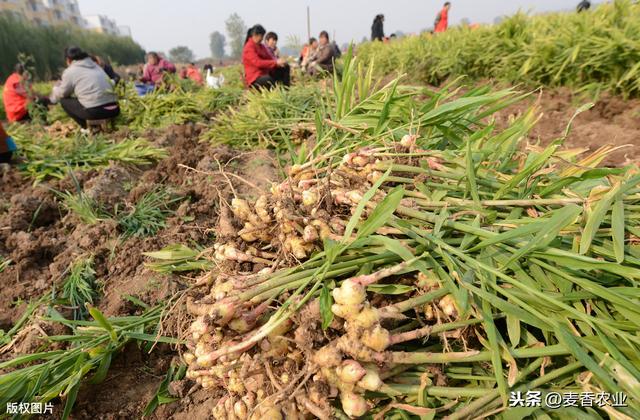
[52, 154]
[179, 105]
[264, 116]
[395, 279]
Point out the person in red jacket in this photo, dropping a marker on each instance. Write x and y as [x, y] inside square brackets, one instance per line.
[191, 72]
[15, 96]
[261, 70]
[442, 20]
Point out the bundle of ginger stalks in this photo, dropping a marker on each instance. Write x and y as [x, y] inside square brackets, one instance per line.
[420, 263]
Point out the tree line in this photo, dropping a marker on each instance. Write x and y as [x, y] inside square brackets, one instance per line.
[46, 45]
[236, 31]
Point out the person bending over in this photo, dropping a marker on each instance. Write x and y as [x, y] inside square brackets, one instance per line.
[17, 95]
[94, 97]
[323, 59]
[261, 70]
[194, 74]
[106, 66]
[153, 73]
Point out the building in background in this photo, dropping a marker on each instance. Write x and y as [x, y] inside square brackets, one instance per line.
[13, 7]
[102, 24]
[32, 10]
[61, 12]
[64, 12]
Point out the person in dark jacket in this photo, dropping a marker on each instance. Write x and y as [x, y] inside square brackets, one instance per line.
[324, 56]
[261, 70]
[106, 66]
[337, 52]
[584, 5]
[377, 29]
[94, 97]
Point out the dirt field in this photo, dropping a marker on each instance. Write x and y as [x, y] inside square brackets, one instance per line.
[42, 241]
[612, 120]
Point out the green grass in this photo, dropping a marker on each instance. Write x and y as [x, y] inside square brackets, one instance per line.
[91, 346]
[7, 336]
[144, 218]
[162, 395]
[83, 206]
[147, 217]
[80, 287]
[4, 263]
[233, 76]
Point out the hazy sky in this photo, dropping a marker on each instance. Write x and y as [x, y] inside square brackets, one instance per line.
[162, 24]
